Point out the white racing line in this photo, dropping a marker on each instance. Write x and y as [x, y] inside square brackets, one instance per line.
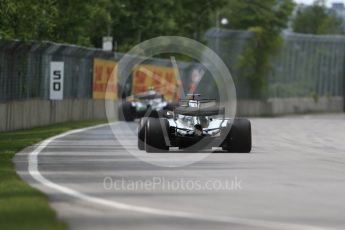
[34, 172]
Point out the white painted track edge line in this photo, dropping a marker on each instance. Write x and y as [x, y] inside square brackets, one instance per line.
[36, 175]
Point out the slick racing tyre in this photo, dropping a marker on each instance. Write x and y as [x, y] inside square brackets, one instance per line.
[155, 141]
[239, 139]
[141, 133]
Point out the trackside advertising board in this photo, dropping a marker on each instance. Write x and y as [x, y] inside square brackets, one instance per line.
[56, 80]
[104, 79]
[162, 79]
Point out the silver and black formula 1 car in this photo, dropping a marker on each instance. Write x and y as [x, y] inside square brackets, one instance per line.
[195, 125]
[147, 104]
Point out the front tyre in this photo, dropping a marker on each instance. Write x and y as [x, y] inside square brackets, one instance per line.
[239, 139]
[155, 135]
[141, 133]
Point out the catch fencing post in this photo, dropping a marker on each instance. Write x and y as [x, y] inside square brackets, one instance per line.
[343, 77]
[344, 83]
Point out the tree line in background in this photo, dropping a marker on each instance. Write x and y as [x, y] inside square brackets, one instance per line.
[265, 19]
[85, 22]
[317, 19]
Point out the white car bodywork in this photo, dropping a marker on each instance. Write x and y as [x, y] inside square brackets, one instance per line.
[155, 104]
[198, 125]
[150, 99]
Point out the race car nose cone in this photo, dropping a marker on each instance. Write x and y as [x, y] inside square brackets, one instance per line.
[198, 130]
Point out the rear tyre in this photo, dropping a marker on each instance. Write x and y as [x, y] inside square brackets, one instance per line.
[239, 139]
[154, 135]
[126, 112]
[141, 133]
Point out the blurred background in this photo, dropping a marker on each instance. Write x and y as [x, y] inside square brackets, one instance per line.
[285, 56]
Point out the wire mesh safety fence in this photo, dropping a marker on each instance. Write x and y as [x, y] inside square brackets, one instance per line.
[229, 44]
[24, 69]
[306, 66]
[309, 66]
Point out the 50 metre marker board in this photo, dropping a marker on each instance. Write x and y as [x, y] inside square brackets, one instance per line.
[56, 80]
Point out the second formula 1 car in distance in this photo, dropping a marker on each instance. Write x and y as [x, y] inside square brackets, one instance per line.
[195, 125]
[146, 104]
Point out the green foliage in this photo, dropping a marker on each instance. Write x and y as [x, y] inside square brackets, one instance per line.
[100, 22]
[137, 20]
[82, 21]
[27, 20]
[85, 22]
[271, 15]
[265, 19]
[317, 19]
[194, 17]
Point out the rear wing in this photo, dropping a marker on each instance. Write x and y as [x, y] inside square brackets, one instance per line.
[203, 103]
[199, 112]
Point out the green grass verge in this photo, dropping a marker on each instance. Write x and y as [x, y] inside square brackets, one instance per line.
[21, 206]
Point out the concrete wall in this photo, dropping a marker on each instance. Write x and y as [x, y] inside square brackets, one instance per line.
[252, 108]
[33, 113]
[284, 106]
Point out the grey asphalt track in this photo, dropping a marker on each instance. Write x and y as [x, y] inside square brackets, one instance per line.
[293, 179]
